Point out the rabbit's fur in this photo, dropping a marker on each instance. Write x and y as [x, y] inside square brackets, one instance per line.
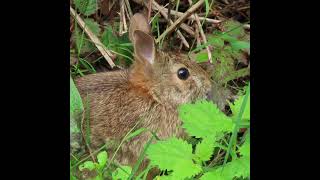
[149, 91]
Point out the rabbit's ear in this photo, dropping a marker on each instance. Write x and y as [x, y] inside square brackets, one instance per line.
[138, 22]
[144, 47]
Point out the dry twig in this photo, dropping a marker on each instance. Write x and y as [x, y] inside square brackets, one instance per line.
[203, 36]
[128, 8]
[179, 14]
[105, 53]
[183, 26]
[183, 39]
[180, 20]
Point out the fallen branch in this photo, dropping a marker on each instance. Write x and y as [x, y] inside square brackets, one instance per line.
[105, 53]
[180, 20]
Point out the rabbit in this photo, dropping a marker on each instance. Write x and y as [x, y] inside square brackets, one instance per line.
[149, 92]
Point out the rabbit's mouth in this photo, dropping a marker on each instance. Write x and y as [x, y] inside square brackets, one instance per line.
[209, 96]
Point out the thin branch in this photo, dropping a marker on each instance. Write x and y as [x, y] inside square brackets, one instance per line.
[106, 53]
[183, 39]
[128, 8]
[123, 24]
[203, 36]
[180, 20]
[183, 26]
[197, 36]
[179, 14]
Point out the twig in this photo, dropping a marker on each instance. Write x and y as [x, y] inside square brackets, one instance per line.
[128, 8]
[126, 12]
[183, 26]
[123, 24]
[180, 20]
[179, 14]
[106, 53]
[247, 26]
[197, 36]
[184, 41]
[203, 36]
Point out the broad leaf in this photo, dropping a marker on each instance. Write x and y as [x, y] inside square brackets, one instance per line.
[174, 154]
[204, 119]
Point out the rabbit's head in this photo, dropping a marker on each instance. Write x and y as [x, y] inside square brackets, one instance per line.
[169, 78]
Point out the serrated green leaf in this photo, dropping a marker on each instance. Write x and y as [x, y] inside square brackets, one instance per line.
[86, 7]
[237, 168]
[174, 154]
[102, 159]
[204, 119]
[205, 148]
[236, 106]
[213, 176]
[87, 165]
[121, 174]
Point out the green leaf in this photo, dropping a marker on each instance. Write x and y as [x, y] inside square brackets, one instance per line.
[236, 106]
[228, 38]
[240, 45]
[237, 168]
[174, 154]
[202, 57]
[211, 176]
[102, 159]
[216, 41]
[207, 6]
[204, 119]
[245, 148]
[83, 45]
[108, 38]
[86, 7]
[135, 133]
[205, 148]
[87, 165]
[92, 25]
[75, 98]
[121, 174]
[234, 28]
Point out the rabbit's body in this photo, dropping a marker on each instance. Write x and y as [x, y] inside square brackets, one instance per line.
[149, 93]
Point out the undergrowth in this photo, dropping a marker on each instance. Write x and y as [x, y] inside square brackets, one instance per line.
[219, 144]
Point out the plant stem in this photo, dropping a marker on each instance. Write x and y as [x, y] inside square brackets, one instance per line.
[235, 129]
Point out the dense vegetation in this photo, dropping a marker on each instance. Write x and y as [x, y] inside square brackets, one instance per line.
[219, 142]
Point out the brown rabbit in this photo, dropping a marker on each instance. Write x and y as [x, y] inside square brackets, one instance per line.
[149, 91]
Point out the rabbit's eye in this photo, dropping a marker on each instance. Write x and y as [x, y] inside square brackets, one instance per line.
[183, 73]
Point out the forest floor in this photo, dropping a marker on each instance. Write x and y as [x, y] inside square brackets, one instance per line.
[217, 33]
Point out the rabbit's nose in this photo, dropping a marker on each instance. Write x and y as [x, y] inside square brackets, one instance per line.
[209, 95]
